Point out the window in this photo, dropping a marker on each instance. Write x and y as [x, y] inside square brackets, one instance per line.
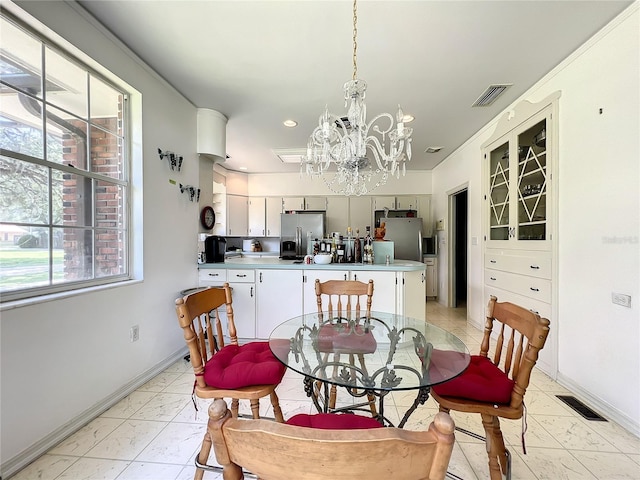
[64, 177]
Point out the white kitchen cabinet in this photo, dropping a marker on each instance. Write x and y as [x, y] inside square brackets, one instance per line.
[382, 202]
[278, 298]
[337, 215]
[360, 214]
[273, 209]
[424, 212]
[257, 216]
[292, 204]
[384, 288]
[318, 204]
[237, 216]
[242, 283]
[519, 162]
[432, 276]
[412, 295]
[407, 202]
[309, 301]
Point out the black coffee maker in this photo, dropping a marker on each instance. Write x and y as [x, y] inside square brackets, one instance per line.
[214, 248]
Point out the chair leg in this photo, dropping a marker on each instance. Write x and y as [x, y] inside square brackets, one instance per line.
[235, 405]
[275, 403]
[203, 456]
[255, 408]
[495, 447]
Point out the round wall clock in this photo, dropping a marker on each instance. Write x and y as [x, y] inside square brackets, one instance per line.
[207, 218]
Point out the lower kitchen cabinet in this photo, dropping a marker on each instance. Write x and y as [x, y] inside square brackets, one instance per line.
[310, 301]
[411, 295]
[384, 289]
[278, 298]
[432, 276]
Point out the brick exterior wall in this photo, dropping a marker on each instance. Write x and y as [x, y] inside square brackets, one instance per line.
[105, 157]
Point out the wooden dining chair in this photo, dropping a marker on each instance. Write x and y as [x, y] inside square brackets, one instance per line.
[238, 372]
[346, 299]
[276, 451]
[495, 387]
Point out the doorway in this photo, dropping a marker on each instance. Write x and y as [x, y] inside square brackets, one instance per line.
[458, 207]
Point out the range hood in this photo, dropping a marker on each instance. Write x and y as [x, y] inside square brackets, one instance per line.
[211, 135]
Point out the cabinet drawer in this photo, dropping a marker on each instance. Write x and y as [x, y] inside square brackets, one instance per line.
[241, 276]
[537, 288]
[541, 308]
[534, 264]
[429, 261]
[208, 276]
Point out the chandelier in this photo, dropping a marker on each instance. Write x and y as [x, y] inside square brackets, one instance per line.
[352, 156]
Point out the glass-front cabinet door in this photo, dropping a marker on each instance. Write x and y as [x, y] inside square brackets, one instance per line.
[518, 185]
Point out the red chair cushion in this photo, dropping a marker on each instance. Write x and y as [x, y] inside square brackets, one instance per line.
[338, 338]
[243, 366]
[481, 381]
[334, 421]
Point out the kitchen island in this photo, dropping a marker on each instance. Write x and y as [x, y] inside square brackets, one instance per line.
[267, 291]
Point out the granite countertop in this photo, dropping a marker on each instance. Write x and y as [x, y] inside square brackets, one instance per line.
[274, 262]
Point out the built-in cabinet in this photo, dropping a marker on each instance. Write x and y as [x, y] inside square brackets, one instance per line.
[279, 298]
[273, 210]
[257, 217]
[237, 216]
[432, 276]
[337, 215]
[264, 298]
[401, 202]
[519, 162]
[299, 204]
[360, 214]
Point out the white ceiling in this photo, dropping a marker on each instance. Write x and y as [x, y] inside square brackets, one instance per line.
[261, 62]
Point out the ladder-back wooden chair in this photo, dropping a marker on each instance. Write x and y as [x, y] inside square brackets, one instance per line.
[495, 387]
[345, 300]
[275, 451]
[238, 372]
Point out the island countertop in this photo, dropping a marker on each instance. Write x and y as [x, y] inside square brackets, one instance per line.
[277, 263]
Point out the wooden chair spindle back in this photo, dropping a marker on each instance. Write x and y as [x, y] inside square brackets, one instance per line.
[341, 291]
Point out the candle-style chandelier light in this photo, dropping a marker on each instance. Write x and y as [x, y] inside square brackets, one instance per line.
[352, 156]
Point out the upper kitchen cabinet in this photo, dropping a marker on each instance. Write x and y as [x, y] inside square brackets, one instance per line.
[237, 216]
[337, 215]
[380, 203]
[273, 209]
[257, 217]
[360, 214]
[299, 204]
[407, 202]
[401, 202]
[517, 167]
[424, 212]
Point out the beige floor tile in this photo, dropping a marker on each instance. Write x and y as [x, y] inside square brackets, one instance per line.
[612, 466]
[151, 471]
[94, 469]
[47, 467]
[575, 435]
[176, 444]
[87, 437]
[128, 440]
[551, 464]
[163, 407]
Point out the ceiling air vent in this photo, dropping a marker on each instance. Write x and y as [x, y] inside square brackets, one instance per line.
[491, 94]
[290, 155]
[433, 149]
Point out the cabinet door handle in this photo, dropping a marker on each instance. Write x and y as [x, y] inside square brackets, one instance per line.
[534, 289]
[354, 276]
[422, 278]
[240, 276]
[492, 278]
[214, 274]
[251, 292]
[492, 261]
[534, 311]
[260, 277]
[535, 267]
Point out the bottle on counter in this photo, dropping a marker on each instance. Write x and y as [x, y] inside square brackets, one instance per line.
[316, 247]
[348, 248]
[340, 251]
[368, 247]
[357, 248]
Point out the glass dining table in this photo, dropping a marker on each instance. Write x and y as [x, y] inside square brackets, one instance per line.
[368, 355]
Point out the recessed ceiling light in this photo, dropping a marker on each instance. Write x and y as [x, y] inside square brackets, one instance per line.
[408, 118]
[290, 123]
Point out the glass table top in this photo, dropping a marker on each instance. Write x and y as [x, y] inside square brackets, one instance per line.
[381, 352]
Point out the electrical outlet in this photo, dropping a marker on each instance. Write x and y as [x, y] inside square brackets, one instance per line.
[621, 299]
[134, 333]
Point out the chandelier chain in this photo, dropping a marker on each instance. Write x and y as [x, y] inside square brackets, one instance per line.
[355, 42]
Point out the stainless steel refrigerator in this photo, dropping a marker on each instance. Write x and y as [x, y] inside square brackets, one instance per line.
[299, 228]
[406, 234]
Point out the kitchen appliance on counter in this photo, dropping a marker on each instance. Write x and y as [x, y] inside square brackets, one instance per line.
[214, 249]
[406, 235]
[297, 233]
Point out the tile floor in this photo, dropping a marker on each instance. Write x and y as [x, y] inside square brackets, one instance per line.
[154, 434]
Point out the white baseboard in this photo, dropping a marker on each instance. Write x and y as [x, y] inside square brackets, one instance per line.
[24, 458]
[603, 408]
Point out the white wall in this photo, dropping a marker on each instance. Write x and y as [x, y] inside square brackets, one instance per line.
[599, 210]
[64, 357]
